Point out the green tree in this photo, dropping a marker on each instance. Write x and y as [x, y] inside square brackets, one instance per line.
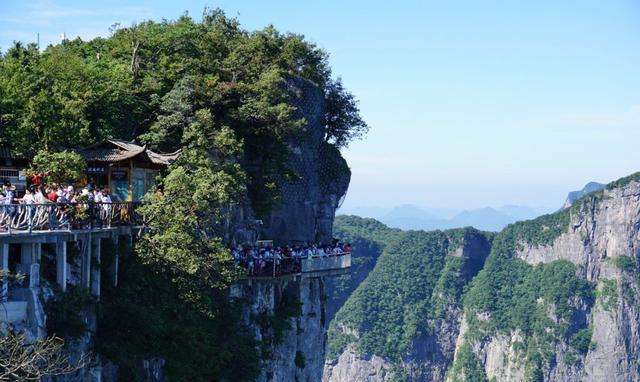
[342, 115]
[177, 113]
[61, 168]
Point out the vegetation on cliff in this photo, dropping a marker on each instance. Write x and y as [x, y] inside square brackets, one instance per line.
[221, 94]
[368, 238]
[148, 81]
[402, 298]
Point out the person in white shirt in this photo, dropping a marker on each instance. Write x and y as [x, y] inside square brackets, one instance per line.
[39, 197]
[97, 196]
[8, 193]
[28, 197]
[105, 199]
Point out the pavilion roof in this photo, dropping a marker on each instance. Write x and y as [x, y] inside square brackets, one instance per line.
[7, 153]
[117, 150]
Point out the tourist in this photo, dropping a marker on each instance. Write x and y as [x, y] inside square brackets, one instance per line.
[97, 196]
[28, 197]
[105, 199]
[8, 193]
[159, 194]
[39, 197]
[52, 196]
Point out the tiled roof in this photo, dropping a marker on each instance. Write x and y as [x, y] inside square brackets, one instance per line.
[116, 150]
[6, 152]
[165, 159]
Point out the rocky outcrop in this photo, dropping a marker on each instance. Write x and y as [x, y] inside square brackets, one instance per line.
[603, 241]
[287, 316]
[307, 202]
[351, 366]
[307, 207]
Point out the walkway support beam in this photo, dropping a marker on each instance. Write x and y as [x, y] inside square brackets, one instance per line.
[61, 264]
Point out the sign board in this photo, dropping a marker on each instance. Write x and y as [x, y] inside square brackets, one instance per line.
[119, 175]
[96, 170]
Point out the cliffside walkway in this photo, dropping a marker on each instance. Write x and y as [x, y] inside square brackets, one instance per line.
[20, 218]
[66, 230]
[269, 268]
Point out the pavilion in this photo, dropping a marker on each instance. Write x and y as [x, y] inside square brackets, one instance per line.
[126, 169]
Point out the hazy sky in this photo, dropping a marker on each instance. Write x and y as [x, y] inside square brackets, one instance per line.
[471, 103]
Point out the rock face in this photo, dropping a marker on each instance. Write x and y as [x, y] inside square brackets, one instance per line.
[603, 241]
[288, 321]
[351, 366]
[598, 238]
[307, 206]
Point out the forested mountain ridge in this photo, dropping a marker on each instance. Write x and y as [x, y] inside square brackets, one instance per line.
[555, 300]
[368, 238]
[399, 310]
[254, 114]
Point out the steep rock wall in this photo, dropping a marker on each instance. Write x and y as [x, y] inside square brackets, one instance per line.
[603, 241]
[307, 202]
[307, 207]
[288, 321]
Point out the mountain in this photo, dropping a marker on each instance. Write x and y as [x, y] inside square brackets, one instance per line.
[588, 188]
[410, 216]
[549, 299]
[486, 218]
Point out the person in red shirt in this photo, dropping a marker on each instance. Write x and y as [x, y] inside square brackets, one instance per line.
[52, 195]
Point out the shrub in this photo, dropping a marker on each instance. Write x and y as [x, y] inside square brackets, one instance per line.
[61, 168]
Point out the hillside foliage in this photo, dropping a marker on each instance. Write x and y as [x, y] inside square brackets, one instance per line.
[414, 279]
[220, 94]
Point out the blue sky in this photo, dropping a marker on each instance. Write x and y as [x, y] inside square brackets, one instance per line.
[471, 103]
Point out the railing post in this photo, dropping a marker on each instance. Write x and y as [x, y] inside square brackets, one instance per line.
[4, 248]
[31, 211]
[9, 222]
[61, 264]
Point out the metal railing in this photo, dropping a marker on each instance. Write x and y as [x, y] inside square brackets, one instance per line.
[271, 268]
[66, 216]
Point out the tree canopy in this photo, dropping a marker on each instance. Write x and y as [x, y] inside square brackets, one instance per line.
[210, 88]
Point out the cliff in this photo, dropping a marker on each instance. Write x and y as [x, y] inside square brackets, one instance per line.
[142, 329]
[402, 321]
[555, 300]
[287, 317]
[584, 326]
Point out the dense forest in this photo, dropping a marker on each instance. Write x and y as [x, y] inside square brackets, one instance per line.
[217, 92]
[415, 280]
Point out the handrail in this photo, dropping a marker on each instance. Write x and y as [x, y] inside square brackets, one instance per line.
[273, 268]
[66, 216]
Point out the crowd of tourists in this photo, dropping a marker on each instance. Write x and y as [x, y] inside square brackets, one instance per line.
[54, 207]
[267, 260]
[53, 194]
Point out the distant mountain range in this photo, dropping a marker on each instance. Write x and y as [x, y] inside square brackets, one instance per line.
[410, 216]
[575, 195]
